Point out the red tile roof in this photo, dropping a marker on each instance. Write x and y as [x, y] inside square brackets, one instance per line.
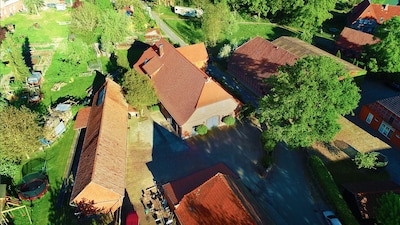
[366, 194]
[355, 40]
[218, 201]
[260, 58]
[175, 190]
[194, 53]
[381, 13]
[257, 60]
[82, 118]
[178, 83]
[392, 104]
[101, 170]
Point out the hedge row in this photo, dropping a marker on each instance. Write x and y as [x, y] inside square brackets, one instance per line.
[327, 183]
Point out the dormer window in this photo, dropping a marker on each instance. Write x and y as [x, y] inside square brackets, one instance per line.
[381, 19]
[145, 61]
[100, 97]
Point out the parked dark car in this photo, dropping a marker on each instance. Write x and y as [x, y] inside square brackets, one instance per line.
[381, 160]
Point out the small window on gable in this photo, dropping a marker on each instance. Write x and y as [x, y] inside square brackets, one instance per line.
[369, 118]
[100, 98]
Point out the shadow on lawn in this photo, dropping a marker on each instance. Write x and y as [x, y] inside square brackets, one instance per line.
[60, 212]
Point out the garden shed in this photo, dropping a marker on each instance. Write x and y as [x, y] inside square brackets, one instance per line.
[56, 122]
[35, 78]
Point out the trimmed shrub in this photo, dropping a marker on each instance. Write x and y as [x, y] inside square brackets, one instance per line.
[327, 183]
[154, 108]
[202, 129]
[229, 120]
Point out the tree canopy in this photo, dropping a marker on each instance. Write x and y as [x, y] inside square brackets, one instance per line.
[306, 100]
[385, 55]
[216, 20]
[19, 133]
[84, 21]
[13, 51]
[139, 91]
[388, 209]
[114, 28]
[76, 52]
[33, 6]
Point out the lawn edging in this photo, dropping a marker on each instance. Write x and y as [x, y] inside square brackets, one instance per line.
[328, 185]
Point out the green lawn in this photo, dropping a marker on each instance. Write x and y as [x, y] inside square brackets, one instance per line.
[346, 171]
[48, 27]
[43, 210]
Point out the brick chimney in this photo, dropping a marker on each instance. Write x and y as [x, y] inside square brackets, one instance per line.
[160, 50]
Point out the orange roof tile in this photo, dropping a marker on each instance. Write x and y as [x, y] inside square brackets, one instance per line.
[194, 53]
[175, 190]
[218, 201]
[82, 118]
[102, 161]
[379, 12]
[178, 83]
[355, 40]
[212, 92]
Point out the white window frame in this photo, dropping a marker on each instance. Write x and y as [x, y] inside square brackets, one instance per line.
[369, 118]
[385, 129]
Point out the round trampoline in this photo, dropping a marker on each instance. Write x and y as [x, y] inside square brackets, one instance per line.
[33, 186]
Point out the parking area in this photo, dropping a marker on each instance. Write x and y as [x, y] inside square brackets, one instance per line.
[155, 155]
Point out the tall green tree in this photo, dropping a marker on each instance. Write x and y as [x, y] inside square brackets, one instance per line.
[385, 55]
[139, 91]
[306, 101]
[388, 209]
[19, 133]
[310, 16]
[114, 28]
[259, 7]
[34, 6]
[12, 47]
[76, 52]
[104, 5]
[217, 19]
[84, 21]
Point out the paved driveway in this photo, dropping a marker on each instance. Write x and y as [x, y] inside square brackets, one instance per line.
[373, 90]
[287, 194]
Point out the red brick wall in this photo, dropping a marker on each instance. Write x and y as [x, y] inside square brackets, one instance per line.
[13, 8]
[376, 122]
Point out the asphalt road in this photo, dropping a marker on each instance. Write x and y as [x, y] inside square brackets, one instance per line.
[164, 27]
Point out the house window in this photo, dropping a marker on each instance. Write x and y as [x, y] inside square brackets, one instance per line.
[100, 98]
[369, 118]
[386, 130]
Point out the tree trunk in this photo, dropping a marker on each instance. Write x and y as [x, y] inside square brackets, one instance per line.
[36, 9]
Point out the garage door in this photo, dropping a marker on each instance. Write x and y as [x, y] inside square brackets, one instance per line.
[212, 122]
